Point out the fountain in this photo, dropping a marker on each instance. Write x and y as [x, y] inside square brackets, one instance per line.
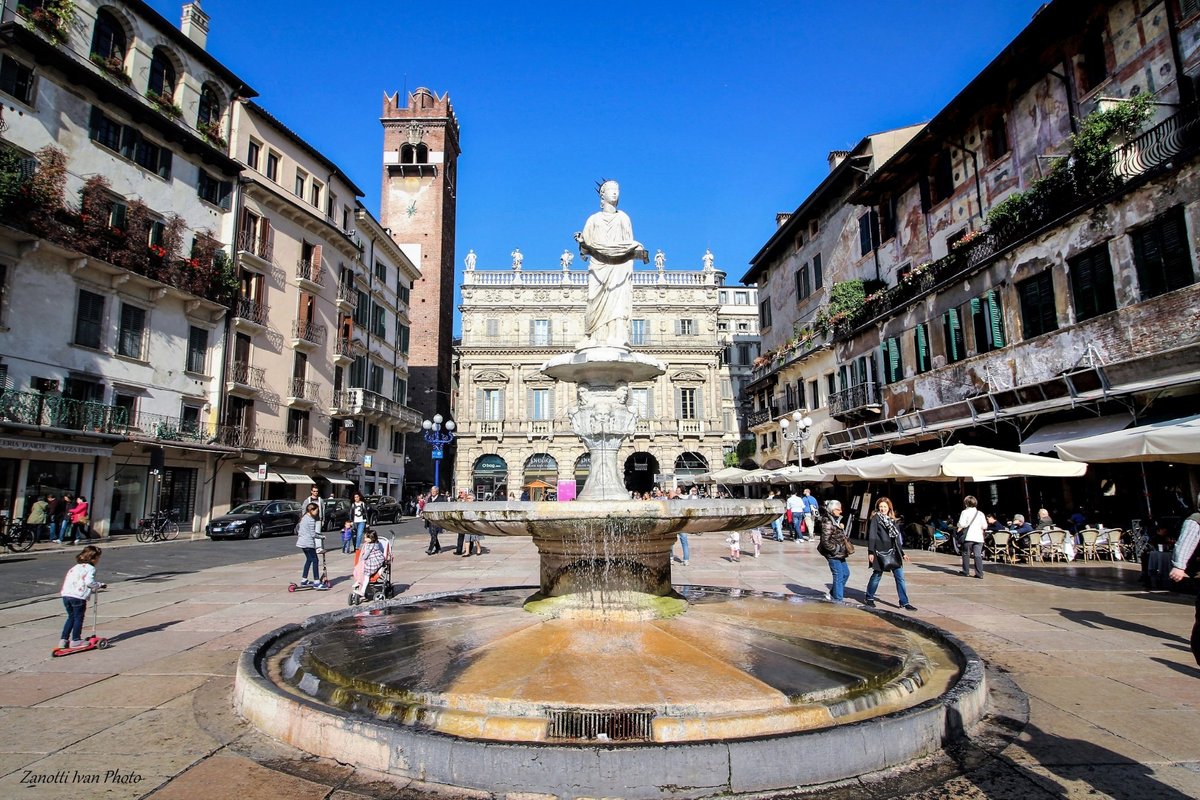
[609, 680]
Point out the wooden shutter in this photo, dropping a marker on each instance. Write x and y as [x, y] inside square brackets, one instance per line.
[1176, 256]
[953, 330]
[996, 321]
[678, 403]
[922, 348]
[479, 405]
[864, 234]
[893, 360]
[818, 272]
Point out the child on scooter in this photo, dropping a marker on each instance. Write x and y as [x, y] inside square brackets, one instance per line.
[348, 537]
[76, 589]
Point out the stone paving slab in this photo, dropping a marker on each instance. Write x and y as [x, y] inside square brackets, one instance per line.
[227, 775]
[127, 691]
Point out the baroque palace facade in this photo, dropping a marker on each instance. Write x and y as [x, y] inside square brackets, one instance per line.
[512, 420]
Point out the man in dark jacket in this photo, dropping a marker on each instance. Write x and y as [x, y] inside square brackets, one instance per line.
[435, 547]
[58, 517]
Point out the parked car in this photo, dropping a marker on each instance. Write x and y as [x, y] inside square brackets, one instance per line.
[256, 519]
[383, 509]
[336, 513]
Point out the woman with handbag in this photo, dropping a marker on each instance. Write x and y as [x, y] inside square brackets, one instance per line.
[835, 545]
[885, 552]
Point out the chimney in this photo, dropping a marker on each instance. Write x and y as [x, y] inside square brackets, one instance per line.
[195, 23]
[836, 157]
[781, 218]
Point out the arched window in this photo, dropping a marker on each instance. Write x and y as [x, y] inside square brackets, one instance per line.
[688, 464]
[422, 154]
[541, 476]
[108, 37]
[407, 154]
[489, 478]
[162, 75]
[208, 111]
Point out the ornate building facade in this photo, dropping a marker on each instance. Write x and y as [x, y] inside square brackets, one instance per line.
[512, 421]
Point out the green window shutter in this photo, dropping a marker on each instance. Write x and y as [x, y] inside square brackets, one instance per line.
[997, 318]
[1177, 262]
[922, 348]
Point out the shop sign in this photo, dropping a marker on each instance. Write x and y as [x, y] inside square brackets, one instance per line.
[50, 447]
[262, 472]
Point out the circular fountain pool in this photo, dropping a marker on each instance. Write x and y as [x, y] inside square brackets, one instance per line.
[744, 692]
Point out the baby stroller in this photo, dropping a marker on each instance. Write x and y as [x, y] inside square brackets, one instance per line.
[372, 573]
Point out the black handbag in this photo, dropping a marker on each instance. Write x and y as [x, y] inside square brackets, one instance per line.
[887, 560]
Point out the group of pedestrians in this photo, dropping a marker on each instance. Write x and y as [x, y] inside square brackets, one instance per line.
[885, 550]
[60, 515]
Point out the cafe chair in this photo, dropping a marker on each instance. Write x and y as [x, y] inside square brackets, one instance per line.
[1029, 546]
[999, 548]
[1055, 550]
[1112, 547]
[1087, 544]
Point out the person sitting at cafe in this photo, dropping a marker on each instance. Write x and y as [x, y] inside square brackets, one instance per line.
[1019, 526]
[1043, 520]
[993, 525]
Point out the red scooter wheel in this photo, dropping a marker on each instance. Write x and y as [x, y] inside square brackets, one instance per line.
[291, 587]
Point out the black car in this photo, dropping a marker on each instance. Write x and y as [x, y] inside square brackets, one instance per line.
[383, 509]
[335, 514]
[256, 519]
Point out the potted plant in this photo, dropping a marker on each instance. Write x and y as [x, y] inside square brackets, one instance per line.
[164, 104]
[211, 130]
[113, 67]
[53, 18]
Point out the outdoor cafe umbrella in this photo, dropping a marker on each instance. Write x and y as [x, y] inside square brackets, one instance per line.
[727, 475]
[794, 474]
[754, 476]
[1175, 440]
[973, 463]
[538, 484]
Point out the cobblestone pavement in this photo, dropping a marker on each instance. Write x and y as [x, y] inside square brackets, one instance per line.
[1096, 693]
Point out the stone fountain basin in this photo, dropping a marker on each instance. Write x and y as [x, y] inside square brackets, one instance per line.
[641, 518]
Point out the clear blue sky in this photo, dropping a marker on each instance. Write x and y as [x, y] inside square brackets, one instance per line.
[713, 116]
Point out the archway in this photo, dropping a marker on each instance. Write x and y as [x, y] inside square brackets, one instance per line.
[541, 469]
[688, 465]
[489, 478]
[640, 469]
[583, 468]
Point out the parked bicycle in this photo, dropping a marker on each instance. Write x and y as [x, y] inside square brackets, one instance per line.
[160, 527]
[16, 535]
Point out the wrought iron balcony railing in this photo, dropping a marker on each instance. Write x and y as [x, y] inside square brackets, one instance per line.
[242, 373]
[55, 411]
[251, 310]
[308, 332]
[301, 389]
[247, 242]
[859, 396]
[307, 270]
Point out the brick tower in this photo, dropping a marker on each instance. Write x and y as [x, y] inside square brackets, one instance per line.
[417, 204]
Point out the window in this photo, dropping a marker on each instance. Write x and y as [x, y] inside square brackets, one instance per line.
[814, 391]
[741, 298]
[639, 331]
[214, 191]
[189, 419]
[1162, 255]
[127, 402]
[887, 218]
[381, 271]
[987, 319]
[375, 378]
[818, 272]
[315, 198]
[921, 348]
[868, 232]
[253, 152]
[686, 403]
[84, 389]
[764, 313]
[208, 110]
[956, 347]
[685, 327]
[539, 332]
[1094, 60]
[273, 166]
[132, 331]
[402, 292]
[803, 283]
[378, 320]
[156, 232]
[801, 402]
[493, 328]
[298, 427]
[1092, 286]
[491, 405]
[399, 389]
[402, 333]
[997, 138]
[893, 360]
[1038, 314]
[105, 131]
[108, 37]
[640, 403]
[162, 75]
[89, 320]
[830, 383]
[197, 349]
[539, 404]
[397, 441]
[362, 309]
[16, 79]
[943, 177]
[301, 180]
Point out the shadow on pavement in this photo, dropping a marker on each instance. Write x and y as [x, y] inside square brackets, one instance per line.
[120, 637]
[1097, 620]
[157, 577]
[1191, 672]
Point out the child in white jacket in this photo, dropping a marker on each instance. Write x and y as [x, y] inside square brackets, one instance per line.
[76, 589]
[734, 539]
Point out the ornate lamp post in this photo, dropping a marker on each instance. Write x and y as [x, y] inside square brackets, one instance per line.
[800, 435]
[438, 436]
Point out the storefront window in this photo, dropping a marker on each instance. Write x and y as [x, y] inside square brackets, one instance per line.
[51, 476]
[129, 497]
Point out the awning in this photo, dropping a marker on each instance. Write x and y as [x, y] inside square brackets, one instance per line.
[1046, 437]
[252, 474]
[1172, 440]
[337, 480]
[296, 478]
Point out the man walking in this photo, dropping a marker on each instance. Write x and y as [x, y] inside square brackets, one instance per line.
[795, 507]
[314, 496]
[811, 506]
[1185, 546]
[435, 546]
[58, 517]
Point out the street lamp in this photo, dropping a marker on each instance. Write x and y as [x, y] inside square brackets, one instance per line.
[438, 436]
[800, 435]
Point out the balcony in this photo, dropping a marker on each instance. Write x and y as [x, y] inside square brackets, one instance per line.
[762, 416]
[489, 429]
[343, 352]
[249, 316]
[347, 298]
[363, 402]
[309, 275]
[307, 335]
[55, 411]
[302, 392]
[255, 251]
[245, 380]
[690, 427]
[539, 429]
[860, 400]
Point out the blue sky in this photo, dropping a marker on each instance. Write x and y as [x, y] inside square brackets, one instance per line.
[713, 116]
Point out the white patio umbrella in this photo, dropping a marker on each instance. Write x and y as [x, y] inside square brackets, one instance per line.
[1173, 440]
[726, 475]
[977, 463]
[794, 474]
[754, 476]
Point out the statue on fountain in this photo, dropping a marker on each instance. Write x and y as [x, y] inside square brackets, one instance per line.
[607, 242]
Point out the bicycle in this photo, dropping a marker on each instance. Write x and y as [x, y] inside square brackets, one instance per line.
[160, 527]
[16, 536]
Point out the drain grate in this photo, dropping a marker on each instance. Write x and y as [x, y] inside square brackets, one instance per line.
[624, 725]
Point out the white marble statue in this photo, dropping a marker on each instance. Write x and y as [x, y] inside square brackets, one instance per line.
[660, 260]
[470, 260]
[607, 242]
[566, 258]
[517, 258]
[707, 259]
